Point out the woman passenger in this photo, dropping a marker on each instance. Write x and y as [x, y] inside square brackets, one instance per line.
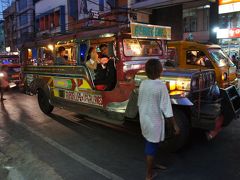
[97, 67]
[92, 61]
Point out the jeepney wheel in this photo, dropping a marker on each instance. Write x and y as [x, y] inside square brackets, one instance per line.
[174, 143]
[43, 101]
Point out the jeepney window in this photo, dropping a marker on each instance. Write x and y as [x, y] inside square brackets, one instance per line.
[83, 52]
[220, 58]
[142, 47]
[69, 53]
[198, 58]
[31, 56]
[45, 56]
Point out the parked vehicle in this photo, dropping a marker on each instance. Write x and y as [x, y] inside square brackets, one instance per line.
[196, 55]
[71, 86]
[14, 66]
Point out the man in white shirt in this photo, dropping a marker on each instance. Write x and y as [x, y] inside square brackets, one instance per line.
[154, 107]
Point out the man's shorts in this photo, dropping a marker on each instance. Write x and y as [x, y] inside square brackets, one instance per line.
[151, 148]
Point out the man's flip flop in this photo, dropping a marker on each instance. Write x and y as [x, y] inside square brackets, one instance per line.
[155, 174]
[159, 166]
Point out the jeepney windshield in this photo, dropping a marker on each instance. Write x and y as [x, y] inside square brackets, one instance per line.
[220, 58]
[142, 47]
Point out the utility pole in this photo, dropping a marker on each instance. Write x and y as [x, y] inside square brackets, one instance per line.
[213, 20]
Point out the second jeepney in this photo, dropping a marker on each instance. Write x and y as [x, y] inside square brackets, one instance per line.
[71, 86]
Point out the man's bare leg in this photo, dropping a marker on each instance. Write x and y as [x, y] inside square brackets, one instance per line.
[150, 160]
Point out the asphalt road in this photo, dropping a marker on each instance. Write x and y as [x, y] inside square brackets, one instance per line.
[36, 146]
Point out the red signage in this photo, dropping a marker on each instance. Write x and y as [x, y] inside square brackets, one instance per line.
[234, 33]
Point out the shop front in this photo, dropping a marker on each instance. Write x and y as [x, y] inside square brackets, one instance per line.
[228, 33]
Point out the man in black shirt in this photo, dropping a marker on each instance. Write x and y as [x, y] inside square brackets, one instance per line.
[111, 76]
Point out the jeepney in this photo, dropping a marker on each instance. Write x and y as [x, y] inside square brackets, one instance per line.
[191, 54]
[12, 61]
[72, 86]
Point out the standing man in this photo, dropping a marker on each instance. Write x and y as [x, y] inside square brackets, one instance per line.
[154, 107]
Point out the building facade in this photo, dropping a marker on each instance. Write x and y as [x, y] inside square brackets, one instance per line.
[51, 18]
[10, 27]
[25, 21]
[2, 38]
[188, 19]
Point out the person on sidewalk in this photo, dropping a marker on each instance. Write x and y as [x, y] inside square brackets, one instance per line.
[3, 81]
[154, 107]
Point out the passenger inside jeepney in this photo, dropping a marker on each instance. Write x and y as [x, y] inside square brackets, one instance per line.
[97, 69]
[102, 68]
[45, 56]
[61, 59]
[110, 67]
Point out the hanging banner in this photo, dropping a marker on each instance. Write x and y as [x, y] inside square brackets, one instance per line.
[150, 31]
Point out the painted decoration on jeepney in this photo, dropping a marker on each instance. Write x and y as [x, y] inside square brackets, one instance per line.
[64, 83]
[84, 97]
[139, 30]
[71, 84]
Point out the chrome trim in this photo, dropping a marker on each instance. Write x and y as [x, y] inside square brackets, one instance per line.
[119, 107]
[181, 101]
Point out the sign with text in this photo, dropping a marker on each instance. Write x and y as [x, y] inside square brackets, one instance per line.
[228, 6]
[150, 31]
[228, 33]
[222, 2]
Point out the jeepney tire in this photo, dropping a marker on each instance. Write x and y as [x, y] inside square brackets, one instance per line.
[43, 101]
[177, 142]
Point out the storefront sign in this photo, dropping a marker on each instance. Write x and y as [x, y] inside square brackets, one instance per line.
[228, 33]
[228, 6]
[222, 2]
[150, 31]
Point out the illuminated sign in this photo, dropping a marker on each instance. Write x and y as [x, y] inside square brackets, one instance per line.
[228, 33]
[222, 2]
[150, 31]
[228, 6]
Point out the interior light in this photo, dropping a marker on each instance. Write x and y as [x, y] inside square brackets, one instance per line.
[50, 46]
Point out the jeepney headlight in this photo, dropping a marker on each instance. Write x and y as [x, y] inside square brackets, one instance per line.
[171, 85]
[1, 75]
[181, 85]
[224, 76]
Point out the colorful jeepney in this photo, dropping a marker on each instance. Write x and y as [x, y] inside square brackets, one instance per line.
[12, 61]
[71, 86]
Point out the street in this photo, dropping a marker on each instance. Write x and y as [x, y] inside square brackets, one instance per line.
[35, 146]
